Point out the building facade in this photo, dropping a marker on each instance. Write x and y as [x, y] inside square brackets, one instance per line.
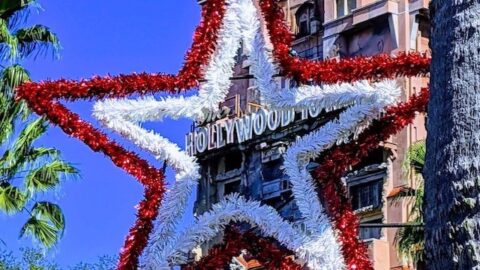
[325, 29]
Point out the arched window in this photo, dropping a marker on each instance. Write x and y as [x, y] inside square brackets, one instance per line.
[304, 16]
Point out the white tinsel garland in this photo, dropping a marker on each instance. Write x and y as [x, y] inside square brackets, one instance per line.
[318, 248]
[122, 116]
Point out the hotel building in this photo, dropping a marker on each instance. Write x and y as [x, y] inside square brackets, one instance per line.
[325, 29]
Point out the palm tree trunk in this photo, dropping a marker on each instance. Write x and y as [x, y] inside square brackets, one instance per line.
[452, 169]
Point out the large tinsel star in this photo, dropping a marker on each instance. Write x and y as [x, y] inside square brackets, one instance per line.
[211, 58]
[317, 245]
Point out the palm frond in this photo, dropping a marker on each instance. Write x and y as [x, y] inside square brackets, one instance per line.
[41, 152]
[410, 240]
[410, 243]
[13, 76]
[417, 207]
[28, 136]
[9, 168]
[41, 230]
[12, 200]
[8, 110]
[37, 38]
[415, 157]
[50, 211]
[8, 42]
[48, 176]
[16, 157]
[10, 7]
[16, 12]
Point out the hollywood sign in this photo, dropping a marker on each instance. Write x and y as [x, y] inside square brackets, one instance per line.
[239, 130]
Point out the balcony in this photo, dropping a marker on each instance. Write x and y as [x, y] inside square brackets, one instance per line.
[275, 188]
[233, 103]
[419, 4]
[360, 15]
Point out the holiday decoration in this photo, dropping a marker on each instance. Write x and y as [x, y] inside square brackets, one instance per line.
[334, 164]
[329, 241]
[269, 254]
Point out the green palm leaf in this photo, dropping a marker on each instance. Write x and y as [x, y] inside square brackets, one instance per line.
[11, 109]
[415, 157]
[34, 156]
[13, 76]
[16, 158]
[50, 211]
[40, 167]
[37, 38]
[410, 240]
[48, 176]
[8, 42]
[39, 152]
[23, 145]
[7, 120]
[12, 200]
[8, 7]
[41, 230]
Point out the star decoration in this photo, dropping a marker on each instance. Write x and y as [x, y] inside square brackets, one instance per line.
[317, 246]
[211, 57]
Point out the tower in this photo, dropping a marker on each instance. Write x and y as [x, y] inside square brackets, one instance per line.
[254, 167]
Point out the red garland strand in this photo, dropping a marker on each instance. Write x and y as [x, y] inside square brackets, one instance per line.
[41, 98]
[150, 177]
[204, 44]
[332, 167]
[336, 162]
[327, 71]
[332, 70]
[266, 251]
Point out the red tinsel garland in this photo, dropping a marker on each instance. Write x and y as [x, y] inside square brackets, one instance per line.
[204, 44]
[266, 251]
[333, 165]
[336, 162]
[333, 70]
[327, 71]
[41, 98]
[149, 176]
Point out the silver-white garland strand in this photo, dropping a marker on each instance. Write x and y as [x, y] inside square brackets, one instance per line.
[318, 246]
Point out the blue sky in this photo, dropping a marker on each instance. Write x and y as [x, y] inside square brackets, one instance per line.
[99, 38]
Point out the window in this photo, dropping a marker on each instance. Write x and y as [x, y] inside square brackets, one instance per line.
[303, 25]
[345, 7]
[272, 170]
[370, 233]
[232, 187]
[228, 166]
[305, 16]
[367, 194]
[233, 161]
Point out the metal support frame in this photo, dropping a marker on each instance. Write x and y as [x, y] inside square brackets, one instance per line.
[391, 225]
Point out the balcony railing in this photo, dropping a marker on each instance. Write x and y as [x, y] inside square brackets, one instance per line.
[233, 103]
[253, 107]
